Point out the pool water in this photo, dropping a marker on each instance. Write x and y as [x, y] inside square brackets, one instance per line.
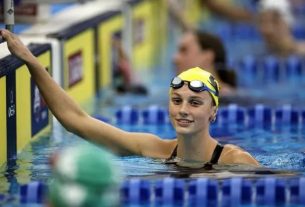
[280, 148]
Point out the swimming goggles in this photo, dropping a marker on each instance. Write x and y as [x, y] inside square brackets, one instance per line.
[194, 85]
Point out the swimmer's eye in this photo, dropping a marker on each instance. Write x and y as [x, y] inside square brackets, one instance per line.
[196, 102]
[176, 101]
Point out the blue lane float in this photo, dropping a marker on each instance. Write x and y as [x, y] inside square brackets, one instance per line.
[203, 191]
[286, 115]
[271, 191]
[248, 69]
[237, 191]
[170, 191]
[154, 115]
[260, 115]
[271, 69]
[135, 191]
[293, 66]
[232, 114]
[297, 191]
[34, 192]
[151, 115]
[127, 115]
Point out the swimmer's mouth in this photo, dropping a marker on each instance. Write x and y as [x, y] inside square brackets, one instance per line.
[184, 121]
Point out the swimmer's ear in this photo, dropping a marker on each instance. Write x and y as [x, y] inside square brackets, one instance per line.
[213, 116]
[215, 110]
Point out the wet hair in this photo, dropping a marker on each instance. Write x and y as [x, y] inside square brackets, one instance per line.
[208, 41]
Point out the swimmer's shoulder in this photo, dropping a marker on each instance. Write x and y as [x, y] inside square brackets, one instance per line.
[233, 154]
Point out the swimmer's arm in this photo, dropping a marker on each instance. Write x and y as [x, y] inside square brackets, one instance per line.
[177, 14]
[225, 9]
[74, 119]
[123, 142]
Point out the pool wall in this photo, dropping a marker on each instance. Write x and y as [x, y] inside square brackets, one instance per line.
[24, 113]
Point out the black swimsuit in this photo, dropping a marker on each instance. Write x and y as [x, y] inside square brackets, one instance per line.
[214, 160]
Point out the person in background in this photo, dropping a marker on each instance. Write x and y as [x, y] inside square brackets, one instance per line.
[84, 176]
[193, 105]
[274, 20]
[205, 50]
[221, 8]
[124, 77]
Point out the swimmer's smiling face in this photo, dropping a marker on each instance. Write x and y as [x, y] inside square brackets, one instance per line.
[190, 112]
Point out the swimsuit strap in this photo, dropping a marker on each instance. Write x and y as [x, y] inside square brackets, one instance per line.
[173, 155]
[215, 156]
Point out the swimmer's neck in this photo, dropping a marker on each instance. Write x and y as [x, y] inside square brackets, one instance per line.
[195, 148]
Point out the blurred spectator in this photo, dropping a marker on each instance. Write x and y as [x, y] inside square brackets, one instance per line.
[205, 50]
[275, 22]
[84, 176]
[124, 78]
[274, 19]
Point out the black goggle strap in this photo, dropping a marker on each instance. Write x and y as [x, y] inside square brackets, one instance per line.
[210, 90]
[214, 84]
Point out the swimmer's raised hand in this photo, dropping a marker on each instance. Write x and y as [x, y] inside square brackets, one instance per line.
[15, 46]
